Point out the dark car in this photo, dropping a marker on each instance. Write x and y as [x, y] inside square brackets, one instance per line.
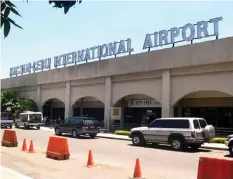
[6, 120]
[78, 126]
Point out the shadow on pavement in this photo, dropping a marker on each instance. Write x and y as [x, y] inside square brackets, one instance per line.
[168, 148]
[22, 128]
[79, 137]
[228, 156]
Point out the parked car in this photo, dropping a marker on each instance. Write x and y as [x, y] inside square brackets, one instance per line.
[6, 120]
[229, 144]
[78, 126]
[29, 119]
[178, 132]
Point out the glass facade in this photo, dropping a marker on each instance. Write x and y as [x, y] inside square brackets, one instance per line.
[97, 113]
[217, 116]
[137, 115]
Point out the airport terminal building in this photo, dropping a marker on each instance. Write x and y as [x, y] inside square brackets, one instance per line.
[191, 80]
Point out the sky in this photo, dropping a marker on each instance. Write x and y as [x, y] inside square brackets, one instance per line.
[48, 32]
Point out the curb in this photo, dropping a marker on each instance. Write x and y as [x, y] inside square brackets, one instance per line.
[106, 137]
[205, 147]
[113, 138]
[214, 148]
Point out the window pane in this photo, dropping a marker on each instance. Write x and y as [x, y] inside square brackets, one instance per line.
[79, 121]
[72, 121]
[154, 124]
[202, 123]
[160, 123]
[91, 121]
[66, 120]
[196, 124]
[35, 117]
[181, 124]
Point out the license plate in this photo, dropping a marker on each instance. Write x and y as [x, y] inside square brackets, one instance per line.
[92, 127]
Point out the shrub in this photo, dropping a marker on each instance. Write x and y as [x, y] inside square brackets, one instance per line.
[121, 132]
[219, 140]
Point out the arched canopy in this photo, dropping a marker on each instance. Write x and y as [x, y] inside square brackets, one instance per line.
[205, 94]
[132, 97]
[88, 101]
[54, 101]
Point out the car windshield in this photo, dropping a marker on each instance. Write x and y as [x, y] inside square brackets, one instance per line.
[203, 123]
[91, 121]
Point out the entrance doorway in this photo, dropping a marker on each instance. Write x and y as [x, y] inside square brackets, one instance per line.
[138, 110]
[89, 106]
[54, 109]
[216, 107]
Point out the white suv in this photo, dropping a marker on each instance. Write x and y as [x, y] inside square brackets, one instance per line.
[229, 144]
[178, 132]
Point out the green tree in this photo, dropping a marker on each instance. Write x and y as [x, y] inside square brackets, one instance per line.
[11, 101]
[7, 7]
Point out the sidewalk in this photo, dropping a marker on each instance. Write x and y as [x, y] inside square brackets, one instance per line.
[212, 146]
[7, 173]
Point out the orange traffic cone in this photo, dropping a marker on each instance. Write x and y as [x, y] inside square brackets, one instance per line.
[24, 147]
[90, 162]
[31, 147]
[137, 170]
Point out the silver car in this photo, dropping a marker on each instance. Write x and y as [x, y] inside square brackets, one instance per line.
[178, 132]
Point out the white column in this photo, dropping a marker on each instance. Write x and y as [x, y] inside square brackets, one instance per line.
[108, 101]
[38, 98]
[67, 100]
[122, 117]
[166, 93]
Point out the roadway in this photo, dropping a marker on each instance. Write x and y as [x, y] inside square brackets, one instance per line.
[114, 159]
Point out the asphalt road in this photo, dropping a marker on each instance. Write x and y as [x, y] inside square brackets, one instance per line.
[114, 159]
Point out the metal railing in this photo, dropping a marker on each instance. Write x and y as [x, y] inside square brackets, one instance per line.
[223, 132]
[126, 126]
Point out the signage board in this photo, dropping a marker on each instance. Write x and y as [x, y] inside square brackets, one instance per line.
[84, 55]
[143, 103]
[116, 113]
[188, 32]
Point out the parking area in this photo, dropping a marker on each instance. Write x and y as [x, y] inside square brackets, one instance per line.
[113, 158]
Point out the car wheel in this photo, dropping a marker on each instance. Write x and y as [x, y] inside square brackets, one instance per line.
[38, 127]
[57, 131]
[10, 127]
[16, 125]
[138, 140]
[195, 146]
[231, 150]
[92, 136]
[177, 144]
[25, 126]
[74, 133]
